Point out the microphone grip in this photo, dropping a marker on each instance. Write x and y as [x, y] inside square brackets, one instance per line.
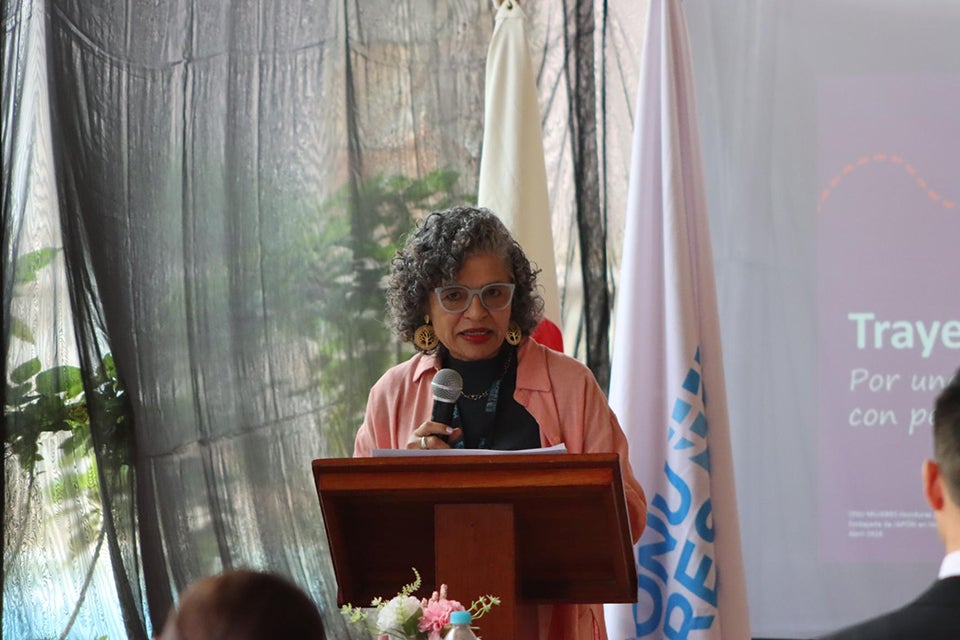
[442, 413]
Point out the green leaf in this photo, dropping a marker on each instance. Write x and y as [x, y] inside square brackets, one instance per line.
[89, 481]
[30, 263]
[25, 371]
[19, 394]
[410, 626]
[109, 366]
[63, 379]
[20, 329]
[71, 445]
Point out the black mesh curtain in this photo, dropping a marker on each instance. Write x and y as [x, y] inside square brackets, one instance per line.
[225, 183]
[586, 59]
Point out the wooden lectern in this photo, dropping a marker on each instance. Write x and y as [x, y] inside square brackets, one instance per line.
[527, 528]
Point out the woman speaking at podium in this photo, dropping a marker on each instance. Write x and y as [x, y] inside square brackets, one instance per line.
[464, 293]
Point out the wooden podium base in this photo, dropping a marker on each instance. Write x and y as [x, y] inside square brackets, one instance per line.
[476, 554]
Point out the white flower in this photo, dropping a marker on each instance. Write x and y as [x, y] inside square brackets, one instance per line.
[396, 612]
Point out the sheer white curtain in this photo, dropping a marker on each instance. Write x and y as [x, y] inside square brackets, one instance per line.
[759, 65]
[227, 185]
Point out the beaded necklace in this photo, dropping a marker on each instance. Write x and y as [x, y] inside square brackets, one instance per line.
[496, 383]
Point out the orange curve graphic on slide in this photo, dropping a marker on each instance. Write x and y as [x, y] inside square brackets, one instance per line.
[908, 168]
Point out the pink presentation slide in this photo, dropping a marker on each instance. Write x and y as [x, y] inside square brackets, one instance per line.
[888, 237]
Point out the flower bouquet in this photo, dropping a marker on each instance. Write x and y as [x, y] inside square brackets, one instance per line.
[404, 617]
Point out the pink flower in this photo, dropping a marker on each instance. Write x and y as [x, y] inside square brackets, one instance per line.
[436, 613]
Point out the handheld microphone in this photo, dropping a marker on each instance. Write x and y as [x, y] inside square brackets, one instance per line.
[446, 386]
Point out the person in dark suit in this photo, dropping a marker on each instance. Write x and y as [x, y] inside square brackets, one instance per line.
[935, 615]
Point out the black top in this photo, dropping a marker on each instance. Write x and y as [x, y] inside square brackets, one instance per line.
[934, 615]
[487, 412]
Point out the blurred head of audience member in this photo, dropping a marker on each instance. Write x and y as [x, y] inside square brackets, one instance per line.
[941, 476]
[244, 605]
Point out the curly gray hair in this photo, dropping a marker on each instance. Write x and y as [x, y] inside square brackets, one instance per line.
[434, 254]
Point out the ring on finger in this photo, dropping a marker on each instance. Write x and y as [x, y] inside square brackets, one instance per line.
[423, 442]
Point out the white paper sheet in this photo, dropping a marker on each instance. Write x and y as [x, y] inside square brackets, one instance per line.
[407, 453]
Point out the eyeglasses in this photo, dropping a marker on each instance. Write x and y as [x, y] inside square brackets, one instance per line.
[456, 298]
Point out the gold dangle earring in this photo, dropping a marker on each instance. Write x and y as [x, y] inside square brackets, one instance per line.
[425, 337]
[514, 334]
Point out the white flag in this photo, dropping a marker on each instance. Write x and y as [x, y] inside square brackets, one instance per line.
[513, 177]
[667, 383]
